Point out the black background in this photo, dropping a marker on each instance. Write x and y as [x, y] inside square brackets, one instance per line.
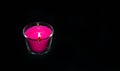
[82, 39]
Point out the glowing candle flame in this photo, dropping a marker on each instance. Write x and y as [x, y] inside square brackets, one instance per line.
[39, 35]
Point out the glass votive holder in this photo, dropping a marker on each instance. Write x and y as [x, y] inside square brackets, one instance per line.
[38, 37]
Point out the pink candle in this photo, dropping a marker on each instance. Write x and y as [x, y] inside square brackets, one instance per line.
[38, 37]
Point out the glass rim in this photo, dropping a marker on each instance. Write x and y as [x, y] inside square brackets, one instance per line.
[50, 26]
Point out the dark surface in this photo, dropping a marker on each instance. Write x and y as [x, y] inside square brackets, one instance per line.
[82, 40]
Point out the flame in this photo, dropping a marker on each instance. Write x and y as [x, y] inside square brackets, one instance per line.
[39, 35]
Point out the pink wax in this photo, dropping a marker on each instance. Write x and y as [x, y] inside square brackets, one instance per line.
[35, 33]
